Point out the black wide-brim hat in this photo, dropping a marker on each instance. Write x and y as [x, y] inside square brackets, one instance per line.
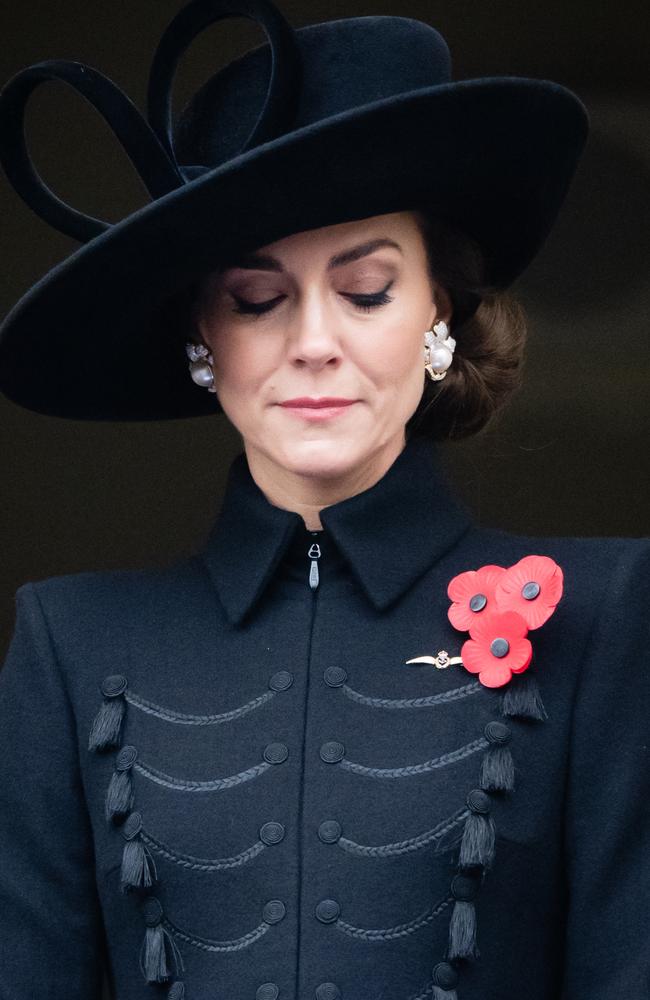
[324, 124]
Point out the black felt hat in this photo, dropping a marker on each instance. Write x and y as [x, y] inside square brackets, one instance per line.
[322, 124]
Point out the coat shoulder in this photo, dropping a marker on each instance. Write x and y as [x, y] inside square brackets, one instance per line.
[68, 594]
[591, 565]
[90, 608]
[597, 551]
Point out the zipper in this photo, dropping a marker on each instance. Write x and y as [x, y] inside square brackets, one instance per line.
[314, 555]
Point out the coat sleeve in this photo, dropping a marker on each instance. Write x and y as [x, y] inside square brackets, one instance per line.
[51, 931]
[607, 832]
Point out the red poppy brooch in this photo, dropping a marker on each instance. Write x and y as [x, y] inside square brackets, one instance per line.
[498, 607]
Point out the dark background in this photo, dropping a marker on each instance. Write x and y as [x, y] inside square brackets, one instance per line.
[570, 456]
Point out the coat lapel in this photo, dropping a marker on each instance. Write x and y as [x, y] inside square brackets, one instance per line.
[410, 513]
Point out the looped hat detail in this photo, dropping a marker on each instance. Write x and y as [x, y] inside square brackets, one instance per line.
[323, 124]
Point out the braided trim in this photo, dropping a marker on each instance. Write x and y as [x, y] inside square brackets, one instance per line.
[399, 930]
[425, 993]
[208, 944]
[188, 719]
[426, 701]
[203, 864]
[404, 846]
[411, 769]
[212, 785]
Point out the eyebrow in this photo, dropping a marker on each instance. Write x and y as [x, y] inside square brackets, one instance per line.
[265, 262]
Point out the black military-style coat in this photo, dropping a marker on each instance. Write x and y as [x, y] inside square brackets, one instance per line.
[223, 780]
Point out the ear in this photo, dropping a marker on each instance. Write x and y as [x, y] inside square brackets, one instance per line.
[444, 308]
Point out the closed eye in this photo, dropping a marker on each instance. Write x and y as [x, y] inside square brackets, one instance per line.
[365, 302]
[256, 308]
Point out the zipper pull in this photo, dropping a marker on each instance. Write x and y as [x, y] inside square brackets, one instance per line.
[314, 554]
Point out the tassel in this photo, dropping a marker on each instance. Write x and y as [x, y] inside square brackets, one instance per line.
[497, 767]
[153, 954]
[106, 726]
[477, 845]
[137, 861]
[522, 697]
[137, 865]
[498, 770]
[157, 941]
[462, 930]
[177, 991]
[119, 796]
[462, 926]
[152, 963]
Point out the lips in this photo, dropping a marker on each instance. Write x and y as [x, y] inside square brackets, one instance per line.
[316, 403]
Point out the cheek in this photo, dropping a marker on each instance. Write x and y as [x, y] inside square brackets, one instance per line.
[397, 352]
[238, 360]
[244, 365]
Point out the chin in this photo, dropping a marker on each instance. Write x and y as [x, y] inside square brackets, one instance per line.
[329, 458]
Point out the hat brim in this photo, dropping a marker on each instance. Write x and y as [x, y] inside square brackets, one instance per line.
[94, 339]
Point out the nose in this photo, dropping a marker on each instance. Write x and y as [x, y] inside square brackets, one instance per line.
[312, 337]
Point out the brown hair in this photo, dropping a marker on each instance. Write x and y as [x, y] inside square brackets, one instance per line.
[489, 327]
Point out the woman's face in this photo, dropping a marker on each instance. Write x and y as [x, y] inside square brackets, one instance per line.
[334, 312]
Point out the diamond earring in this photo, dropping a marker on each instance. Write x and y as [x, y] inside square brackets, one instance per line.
[200, 365]
[438, 351]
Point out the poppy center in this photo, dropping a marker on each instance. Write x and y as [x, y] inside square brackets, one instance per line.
[530, 590]
[477, 602]
[499, 647]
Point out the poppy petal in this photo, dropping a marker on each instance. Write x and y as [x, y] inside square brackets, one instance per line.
[521, 653]
[473, 593]
[532, 587]
[510, 624]
[496, 676]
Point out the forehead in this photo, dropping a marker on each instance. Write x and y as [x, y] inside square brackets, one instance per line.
[338, 244]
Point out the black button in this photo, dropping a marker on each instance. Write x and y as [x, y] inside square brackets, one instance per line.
[275, 753]
[274, 911]
[126, 758]
[272, 832]
[132, 825]
[267, 991]
[176, 991]
[327, 991]
[499, 647]
[327, 911]
[152, 911]
[478, 801]
[477, 602]
[530, 590]
[329, 831]
[497, 732]
[332, 751]
[113, 685]
[445, 976]
[335, 676]
[281, 680]
[463, 887]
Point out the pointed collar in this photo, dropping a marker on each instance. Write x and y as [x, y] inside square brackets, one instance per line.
[389, 534]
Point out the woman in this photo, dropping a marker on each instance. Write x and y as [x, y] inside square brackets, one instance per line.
[357, 746]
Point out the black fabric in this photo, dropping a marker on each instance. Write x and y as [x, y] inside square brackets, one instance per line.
[305, 794]
[379, 127]
[415, 527]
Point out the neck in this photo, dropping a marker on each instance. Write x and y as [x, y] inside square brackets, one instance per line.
[309, 493]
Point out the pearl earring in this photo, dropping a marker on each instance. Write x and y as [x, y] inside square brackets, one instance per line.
[201, 370]
[438, 351]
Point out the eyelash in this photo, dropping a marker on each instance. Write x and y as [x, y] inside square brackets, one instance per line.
[364, 302]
